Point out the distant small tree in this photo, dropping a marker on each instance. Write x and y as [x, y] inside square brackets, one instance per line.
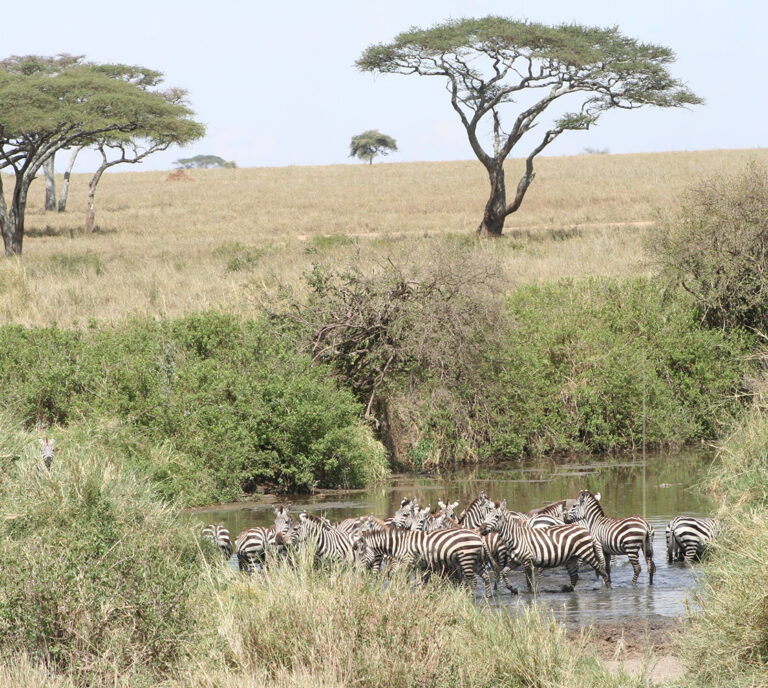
[203, 162]
[493, 62]
[371, 143]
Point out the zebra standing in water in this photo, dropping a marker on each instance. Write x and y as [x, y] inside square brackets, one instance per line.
[629, 536]
[546, 547]
[441, 551]
[688, 537]
[253, 545]
[475, 513]
[219, 536]
[331, 543]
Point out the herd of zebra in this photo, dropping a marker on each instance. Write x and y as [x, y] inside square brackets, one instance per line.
[486, 537]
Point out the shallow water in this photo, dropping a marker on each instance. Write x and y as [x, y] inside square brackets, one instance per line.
[658, 491]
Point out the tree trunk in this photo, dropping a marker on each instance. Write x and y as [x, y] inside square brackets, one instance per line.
[65, 185]
[13, 221]
[90, 213]
[50, 184]
[496, 207]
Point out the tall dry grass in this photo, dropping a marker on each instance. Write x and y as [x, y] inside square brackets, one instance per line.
[226, 237]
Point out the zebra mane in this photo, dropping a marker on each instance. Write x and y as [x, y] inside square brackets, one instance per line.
[590, 499]
[321, 522]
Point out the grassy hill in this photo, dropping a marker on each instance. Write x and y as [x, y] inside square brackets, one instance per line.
[229, 238]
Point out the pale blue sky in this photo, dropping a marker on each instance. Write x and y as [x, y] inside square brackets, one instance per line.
[275, 82]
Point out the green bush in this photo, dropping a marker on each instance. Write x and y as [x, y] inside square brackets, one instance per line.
[716, 247]
[218, 405]
[574, 370]
[98, 579]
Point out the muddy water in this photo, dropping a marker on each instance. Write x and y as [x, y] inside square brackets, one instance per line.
[657, 491]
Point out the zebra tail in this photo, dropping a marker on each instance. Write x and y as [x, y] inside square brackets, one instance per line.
[648, 543]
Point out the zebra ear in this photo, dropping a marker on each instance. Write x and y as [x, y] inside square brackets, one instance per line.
[441, 503]
[503, 505]
[454, 505]
[42, 443]
[597, 496]
[426, 510]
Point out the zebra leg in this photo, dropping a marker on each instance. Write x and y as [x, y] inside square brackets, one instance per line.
[503, 574]
[572, 566]
[607, 557]
[634, 559]
[529, 575]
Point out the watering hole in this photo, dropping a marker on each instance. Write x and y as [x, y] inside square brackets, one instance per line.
[662, 488]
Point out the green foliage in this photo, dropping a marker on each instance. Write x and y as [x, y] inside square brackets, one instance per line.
[97, 579]
[716, 248]
[573, 372]
[239, 258]
[371, 143]
[203, 162]
[217, 405]
[725, 642]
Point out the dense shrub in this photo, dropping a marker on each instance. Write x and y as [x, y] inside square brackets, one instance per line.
[574, 370]
[224, 404]
[98, 580]
[726, 640]
[716, 247]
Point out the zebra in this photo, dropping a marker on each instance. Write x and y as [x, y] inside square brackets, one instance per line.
[546, 547]
[253, 545]
[556, 510]
[219, 536]
[442, 551]
[47, 449]
[331, 542]
[476, 512]
[404, 516]
[628, 536]
[688, 537]
[350, 526]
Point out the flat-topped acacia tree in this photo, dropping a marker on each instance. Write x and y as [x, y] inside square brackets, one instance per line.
[51, 103]
[566, 75]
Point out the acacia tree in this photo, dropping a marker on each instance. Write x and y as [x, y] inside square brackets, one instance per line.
[568, 75]
[50, 103]
[371, 143]
[204, 162]
[173, 126]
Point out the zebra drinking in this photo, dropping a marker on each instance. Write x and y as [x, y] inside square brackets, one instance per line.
[688, 537]
[219, 536]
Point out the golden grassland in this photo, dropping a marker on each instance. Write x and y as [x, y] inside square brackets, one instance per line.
[229, 238]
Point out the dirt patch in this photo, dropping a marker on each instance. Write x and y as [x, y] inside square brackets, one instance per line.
[178, 176]
[640, 647]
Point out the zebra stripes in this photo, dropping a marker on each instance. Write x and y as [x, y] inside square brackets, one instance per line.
[688, 537]
[474, 515]
[441, 551]
[253, 545]
[219, 536]
[547, 547]
[331, 543]
[629, 536]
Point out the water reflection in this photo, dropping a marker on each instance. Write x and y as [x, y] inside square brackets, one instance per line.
[667, 492]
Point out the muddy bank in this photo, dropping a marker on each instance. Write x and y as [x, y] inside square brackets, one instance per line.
[640, 647]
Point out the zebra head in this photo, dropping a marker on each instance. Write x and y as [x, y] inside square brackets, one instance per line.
[406, 513]
[585, 507]
[494, 518]
[421, 519]
[47, 448]
[448, 509]
[283, 520]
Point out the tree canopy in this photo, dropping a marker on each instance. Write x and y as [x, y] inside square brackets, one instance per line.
[50, 103]
[203, 162]
[371, 143]
[571, 72]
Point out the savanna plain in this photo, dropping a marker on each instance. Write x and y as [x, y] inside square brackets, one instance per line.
[238, 331]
